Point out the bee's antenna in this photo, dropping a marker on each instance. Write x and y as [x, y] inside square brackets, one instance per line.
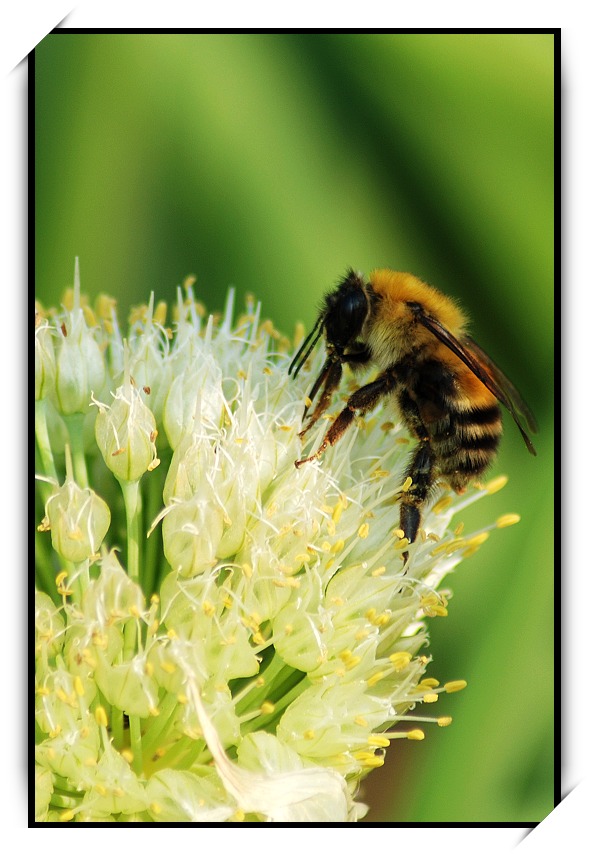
[301, 355]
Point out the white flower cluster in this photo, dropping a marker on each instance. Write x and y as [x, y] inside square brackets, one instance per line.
[220, 635]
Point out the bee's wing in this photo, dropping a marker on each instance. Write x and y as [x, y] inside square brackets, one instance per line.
[482, 366]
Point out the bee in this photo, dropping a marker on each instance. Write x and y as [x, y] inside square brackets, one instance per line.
[447, 390]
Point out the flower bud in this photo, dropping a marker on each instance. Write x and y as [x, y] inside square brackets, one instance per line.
[79, 519]
[80, 366]
[125, 434]
[44, 359]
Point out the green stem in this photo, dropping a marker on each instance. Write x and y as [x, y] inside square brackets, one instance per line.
[117, 727]
[132, 500]
[152, 559]
[45, 570]
[82, 579]
[136, 747]
[75, 426]
[43, 441]
[157, 725]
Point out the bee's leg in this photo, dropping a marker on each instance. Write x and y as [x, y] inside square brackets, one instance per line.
[329, 377]
[361, 401]
[420, 471]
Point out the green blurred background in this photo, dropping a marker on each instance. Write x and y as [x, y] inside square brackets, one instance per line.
[272, 161]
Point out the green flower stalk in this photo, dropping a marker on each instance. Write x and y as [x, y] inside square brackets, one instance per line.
[220, 636]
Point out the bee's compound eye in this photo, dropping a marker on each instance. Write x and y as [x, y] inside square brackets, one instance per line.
[347, 310]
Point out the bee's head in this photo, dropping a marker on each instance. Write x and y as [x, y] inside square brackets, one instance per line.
[345, 311]
[341, 319]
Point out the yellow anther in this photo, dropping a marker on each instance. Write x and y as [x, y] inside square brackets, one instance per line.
[361, 721]
[149, 669]
[182, 698]
[406, 484]
[266, 707]
[400, 660]
[379, 474]
[78, 686]
[416, 734]
[459, 529]
[378, 740]
[62, 575]
[372, 761]
[399, 533]
[387, 426]
[454, 545]
[340, 507]
[507, 520]
[374, 679]
[443, 721]
[208, 608]
[154, 711]
[104, 306]
[238, 816]
[309, 734]
[287, 582]
[247, 570]
[429, 683]
[127, 755]
[100, 716]
[402, 544]
[155, 808]
[160, 311]
[477, 540]
[168, 666]
[430, 698]
[442, 504]
[67, 815]
[436, 610]
[441, 548]
[338, 546]
[496, 484]
[364, 530]
[89, 316]
[454, 686]
[378, 572]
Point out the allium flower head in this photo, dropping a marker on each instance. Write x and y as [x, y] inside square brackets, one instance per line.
[232, 638]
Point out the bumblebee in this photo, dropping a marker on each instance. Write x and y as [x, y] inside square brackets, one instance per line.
[446, 388]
